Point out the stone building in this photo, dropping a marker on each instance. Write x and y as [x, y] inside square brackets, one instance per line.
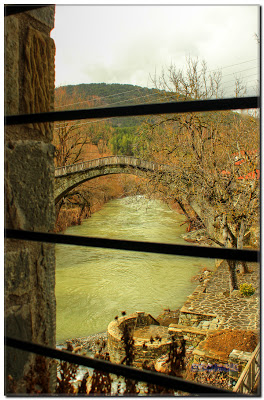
[29, 197]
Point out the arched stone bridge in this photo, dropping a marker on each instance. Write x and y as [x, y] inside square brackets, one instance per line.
[70, 176]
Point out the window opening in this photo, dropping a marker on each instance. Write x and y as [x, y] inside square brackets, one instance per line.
[222, 253]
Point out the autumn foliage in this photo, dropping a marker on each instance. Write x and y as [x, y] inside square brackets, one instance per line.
[77, 141]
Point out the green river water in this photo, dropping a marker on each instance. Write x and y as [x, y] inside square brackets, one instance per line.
[94, 285]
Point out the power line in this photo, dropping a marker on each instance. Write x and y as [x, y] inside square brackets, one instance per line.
[237, 72]
[103, 119]
[246, 87]
[123, 101]
[158, 95]
[233, 65]
[85, 123]
[104, 97]
[139, 89]
[242, 78]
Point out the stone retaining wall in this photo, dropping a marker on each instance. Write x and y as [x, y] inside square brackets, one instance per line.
[234, 364]
[193, 336]
[240, 359]
[189, 318]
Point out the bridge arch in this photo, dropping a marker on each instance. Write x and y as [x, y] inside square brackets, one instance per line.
[71, 176]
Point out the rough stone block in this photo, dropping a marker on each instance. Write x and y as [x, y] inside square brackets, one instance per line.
[11, 65]
[17, 275]
[172, 330]
[245, 357]
[37, 78]
[29, 185]
[235, 354]
[199, 353]
[212, 326]
[18, 321]
[44, 15]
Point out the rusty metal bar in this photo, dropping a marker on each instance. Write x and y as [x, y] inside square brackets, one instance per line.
[148, 247]
[118, 369]
[136, 110]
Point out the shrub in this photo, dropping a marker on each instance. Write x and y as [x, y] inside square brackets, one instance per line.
[246, 289]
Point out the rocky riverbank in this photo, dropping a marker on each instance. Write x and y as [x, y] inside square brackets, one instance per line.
[92, 344]
[86, 346]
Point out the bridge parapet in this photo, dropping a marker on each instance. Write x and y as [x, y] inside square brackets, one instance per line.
[111, 160]
[70, 176]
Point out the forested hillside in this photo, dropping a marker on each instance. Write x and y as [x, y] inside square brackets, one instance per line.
[117, 135]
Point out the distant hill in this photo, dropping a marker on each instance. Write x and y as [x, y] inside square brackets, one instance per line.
[116, 94]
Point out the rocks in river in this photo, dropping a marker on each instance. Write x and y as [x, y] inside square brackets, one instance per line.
[195, 236]
[89, 345]
[199, 235]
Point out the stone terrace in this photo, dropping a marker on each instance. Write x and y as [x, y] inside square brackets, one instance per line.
[233, 311]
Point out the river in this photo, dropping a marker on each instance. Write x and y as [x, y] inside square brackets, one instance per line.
[94, 285]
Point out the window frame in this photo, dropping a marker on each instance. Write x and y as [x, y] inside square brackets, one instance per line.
[185, 250]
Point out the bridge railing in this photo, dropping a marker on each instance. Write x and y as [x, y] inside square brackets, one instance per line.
[110, 160]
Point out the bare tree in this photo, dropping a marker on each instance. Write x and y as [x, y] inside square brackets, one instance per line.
[203, 150]
[72, 137]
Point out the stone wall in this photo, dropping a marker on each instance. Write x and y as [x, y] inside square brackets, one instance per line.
[239, 359]
[234, 364]
[144, 350]
[190, 318]
[29, 195]
[193, 336]
[150, 352]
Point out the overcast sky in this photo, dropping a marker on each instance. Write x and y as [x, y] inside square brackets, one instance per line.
[128, 44]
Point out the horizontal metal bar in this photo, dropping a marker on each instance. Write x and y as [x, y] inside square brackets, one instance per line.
[118, 369]
[16, 9]
[148, 247]
[136, 110]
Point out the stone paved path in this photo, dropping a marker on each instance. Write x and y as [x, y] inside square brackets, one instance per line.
[232, 311]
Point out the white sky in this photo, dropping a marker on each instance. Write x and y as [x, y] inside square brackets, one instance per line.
[128, 43]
